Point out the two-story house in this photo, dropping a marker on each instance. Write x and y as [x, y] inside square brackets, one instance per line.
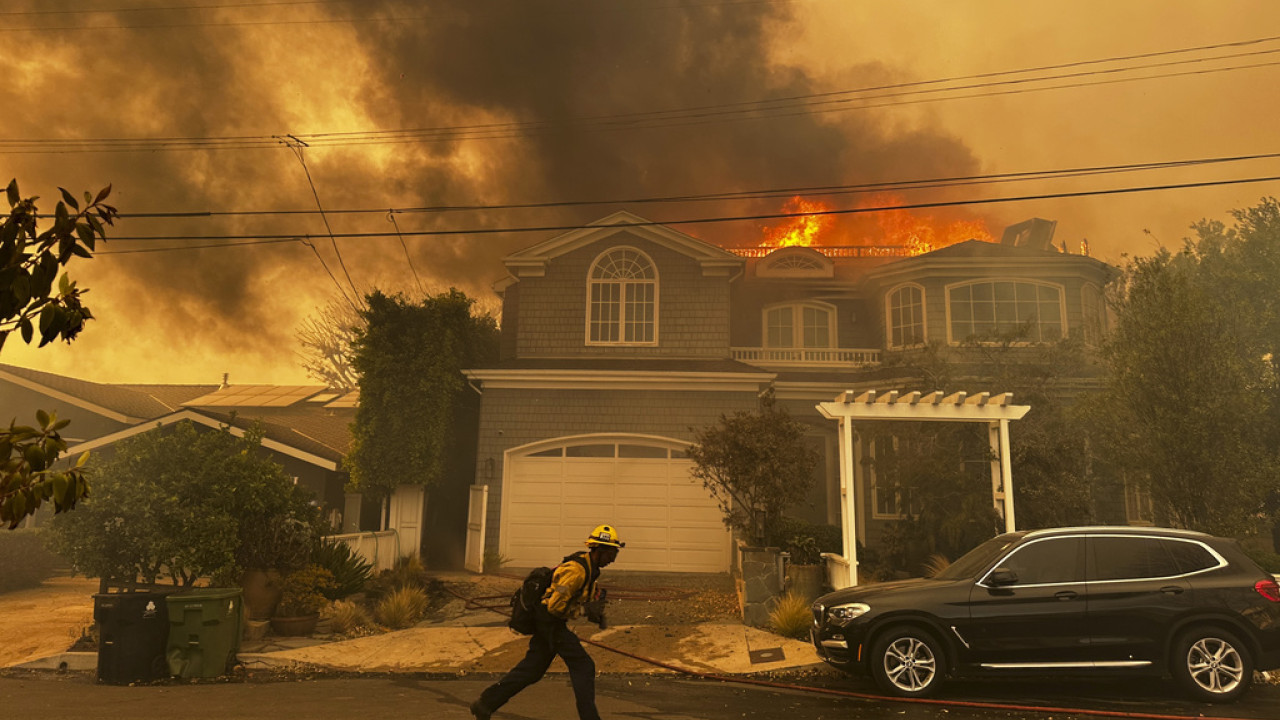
[621, 339]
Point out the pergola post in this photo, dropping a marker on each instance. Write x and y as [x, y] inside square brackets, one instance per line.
[995, 410]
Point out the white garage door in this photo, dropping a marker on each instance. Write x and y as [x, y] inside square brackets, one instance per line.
[554, 496]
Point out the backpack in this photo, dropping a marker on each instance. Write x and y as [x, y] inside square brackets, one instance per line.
[526, 598]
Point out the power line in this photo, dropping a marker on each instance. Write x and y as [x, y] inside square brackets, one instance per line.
[834, 101]
[104, 11]
[757, 194]
[611, 10]
[266, 239]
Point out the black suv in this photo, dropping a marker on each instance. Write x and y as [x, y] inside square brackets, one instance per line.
[1109, 599]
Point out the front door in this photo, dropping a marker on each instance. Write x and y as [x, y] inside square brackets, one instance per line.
[1040, 619]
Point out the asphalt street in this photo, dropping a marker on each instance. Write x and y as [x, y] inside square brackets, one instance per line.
[50, 695]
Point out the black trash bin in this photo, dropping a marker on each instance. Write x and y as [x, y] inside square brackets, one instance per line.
[132, 631]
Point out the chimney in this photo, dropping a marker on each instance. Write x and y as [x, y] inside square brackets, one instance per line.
[225, 384]
[1034, 233]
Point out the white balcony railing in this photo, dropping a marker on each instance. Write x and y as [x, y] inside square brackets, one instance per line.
[808, 357]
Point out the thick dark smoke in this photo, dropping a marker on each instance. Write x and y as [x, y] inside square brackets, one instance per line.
[443, 64]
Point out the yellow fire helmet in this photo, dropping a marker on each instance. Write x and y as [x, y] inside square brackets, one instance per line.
[604, 535]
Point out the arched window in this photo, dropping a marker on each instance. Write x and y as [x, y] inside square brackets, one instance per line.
[905, 321]
[1014, 309]
[622, 299]
[802, 325]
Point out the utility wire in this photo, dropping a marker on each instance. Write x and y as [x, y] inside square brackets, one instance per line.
[298, 148]
[756, 109]
[647, 5]
[392, 217]
[811, 190]
[263, 239]
[172, 8]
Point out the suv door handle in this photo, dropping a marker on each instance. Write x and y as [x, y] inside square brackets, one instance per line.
[1171, 590]
[1066, 595]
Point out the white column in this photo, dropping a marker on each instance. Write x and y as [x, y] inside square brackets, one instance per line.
[997, 475]
[850, 524]
[1006, 476]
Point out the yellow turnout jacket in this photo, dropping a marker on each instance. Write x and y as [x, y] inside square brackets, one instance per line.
[572, 583]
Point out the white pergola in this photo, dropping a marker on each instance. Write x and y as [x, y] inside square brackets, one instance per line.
[849, 406]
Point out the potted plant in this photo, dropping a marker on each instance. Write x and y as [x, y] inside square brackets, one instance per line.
[270, 549]
[804, 571]
[301, 600]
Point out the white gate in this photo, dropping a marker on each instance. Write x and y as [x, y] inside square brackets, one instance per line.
[407, 506]
[473, 560]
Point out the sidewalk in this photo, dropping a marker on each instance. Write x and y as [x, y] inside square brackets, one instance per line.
[697, 633]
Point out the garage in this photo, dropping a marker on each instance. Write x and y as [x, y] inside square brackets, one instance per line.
[554, 493]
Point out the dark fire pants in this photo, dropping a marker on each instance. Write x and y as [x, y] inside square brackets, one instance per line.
[552, 638]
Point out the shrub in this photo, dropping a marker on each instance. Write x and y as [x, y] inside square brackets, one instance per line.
[791, 616]
[1268, 560]
[350, 571]
[494, 560]
[183, 503]
[402, 608]
[406, 573]
[304, 591]
[934, 564]
[347, 618]
[25, 560]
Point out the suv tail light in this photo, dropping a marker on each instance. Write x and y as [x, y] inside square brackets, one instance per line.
[1268, 589]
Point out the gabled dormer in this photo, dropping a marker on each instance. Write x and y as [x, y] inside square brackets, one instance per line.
[621, 287]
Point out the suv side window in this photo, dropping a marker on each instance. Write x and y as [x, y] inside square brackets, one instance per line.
[1055, 560]
[1191, 556]
[1130, 558]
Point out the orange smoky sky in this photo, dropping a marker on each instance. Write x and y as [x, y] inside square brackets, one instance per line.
[580, 108]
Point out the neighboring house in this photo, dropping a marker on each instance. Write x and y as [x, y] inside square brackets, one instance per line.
[305, 428]
[621, 339]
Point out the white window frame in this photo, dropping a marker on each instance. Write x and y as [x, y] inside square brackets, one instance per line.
[888, 316]
[1095, 321]
[797, 325]
[622, 284]
[1062, 305]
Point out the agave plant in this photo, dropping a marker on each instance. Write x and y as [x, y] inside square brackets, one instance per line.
[350, 571]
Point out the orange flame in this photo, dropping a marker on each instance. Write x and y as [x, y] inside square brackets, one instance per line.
[802, 229]
[916, 232]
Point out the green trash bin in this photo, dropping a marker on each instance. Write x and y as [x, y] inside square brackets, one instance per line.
[204, 631]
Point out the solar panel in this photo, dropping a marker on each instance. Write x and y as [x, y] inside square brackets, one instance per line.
[257, 396]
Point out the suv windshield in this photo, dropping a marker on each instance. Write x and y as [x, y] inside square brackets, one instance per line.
[977, 559]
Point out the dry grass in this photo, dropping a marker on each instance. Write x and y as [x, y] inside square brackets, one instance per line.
[790, 616]
[402, 608]
[935, 564]
[348, 618]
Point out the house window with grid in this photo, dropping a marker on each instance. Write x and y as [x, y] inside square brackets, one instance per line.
[1021, 310]
[906, 316]
[799, 326]
[1138, 509]
[622, 299]
[890, 499]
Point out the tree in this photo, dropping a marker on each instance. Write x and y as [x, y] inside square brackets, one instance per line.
[756, 465]
[186, 504]
[410, 357]
[327, 338]
[30, 261]
[940, 472]
[1192, 408]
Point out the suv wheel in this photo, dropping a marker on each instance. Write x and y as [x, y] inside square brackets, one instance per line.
[907, 662]
[1211, 664]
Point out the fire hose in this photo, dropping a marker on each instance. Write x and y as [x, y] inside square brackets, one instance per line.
[502, 609]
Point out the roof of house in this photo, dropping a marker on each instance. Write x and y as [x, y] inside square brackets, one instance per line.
[135, 401]
[309, 418]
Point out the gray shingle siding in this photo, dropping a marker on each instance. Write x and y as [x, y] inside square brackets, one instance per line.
[693, 311]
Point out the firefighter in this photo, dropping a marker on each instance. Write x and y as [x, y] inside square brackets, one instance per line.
[572, 592]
